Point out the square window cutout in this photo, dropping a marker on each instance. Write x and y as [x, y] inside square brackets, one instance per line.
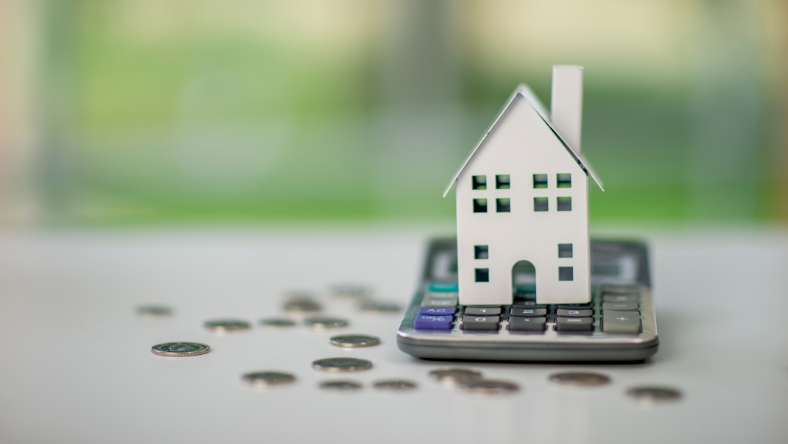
[564, 250]
[481, 252]
[564, 204]
[565, 274]
[503, 205]
[563, 180]
[502, 182]
[540, 180]
[482, 275]
[479, 205]
[540, 204]
[479, 182]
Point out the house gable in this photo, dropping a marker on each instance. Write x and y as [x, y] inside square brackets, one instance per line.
[523, 95]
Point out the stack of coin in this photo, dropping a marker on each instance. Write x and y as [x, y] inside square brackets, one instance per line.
[268, 379]
[371, 307]
[579, 379]
[325, 322]
[277, 322]
[225, 325]
[341, 365]
[354, 341]
[180, 349]
[455, 376]
[351, 291]
[302, 304]
[395, 385]
[154, 311]
[340, 386]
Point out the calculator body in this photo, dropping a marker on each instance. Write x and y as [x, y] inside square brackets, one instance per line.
[619, 324]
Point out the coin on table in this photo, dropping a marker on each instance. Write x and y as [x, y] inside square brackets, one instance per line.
[224, 325]
[379, 307]
[340, 386]
[653, 395]
[395, 385]
[354, 341]
[487, 387]
[300, 305]
[325, 322]
[455, 375]
[579, 379]
[277, 322]
[268, 379]
[351, 291]
[178, 349]
[339, 365]
[154, 311]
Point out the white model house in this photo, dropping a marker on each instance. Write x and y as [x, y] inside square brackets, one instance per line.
[522, 195]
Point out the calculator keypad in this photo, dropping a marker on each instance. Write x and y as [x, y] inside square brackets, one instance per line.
[614, 310]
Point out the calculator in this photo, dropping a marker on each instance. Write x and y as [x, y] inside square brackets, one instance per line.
[619, 324]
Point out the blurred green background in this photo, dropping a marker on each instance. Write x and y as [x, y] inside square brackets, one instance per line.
[188, 111]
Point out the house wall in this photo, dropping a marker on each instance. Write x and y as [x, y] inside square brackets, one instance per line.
[521, 145]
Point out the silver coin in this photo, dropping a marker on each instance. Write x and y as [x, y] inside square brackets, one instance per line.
[579, 379]
[653, 395]
[395, 385]
[277, 322]
[351, 291]
[340, 386]
[225, 325]
[178, 349]
[354, 341]
[339, 365]
[379, 307]
[455, 375]
[487, 387]
[268, 379]
[302, 306]
[154, 311]
[325, 322]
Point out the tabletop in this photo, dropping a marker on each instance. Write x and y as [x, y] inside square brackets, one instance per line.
[77, 365]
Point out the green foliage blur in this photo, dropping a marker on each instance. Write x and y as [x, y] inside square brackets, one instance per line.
[175, 111]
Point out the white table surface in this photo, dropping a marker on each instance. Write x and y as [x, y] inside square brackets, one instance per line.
[76, 365]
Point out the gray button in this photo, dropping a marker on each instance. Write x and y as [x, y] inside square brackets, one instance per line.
[587, 305]
[527, 324]
[528, 304]
[626, 322]
[439, 303]
[480, 322]
[483, 311]
[529, 312]
[574, 324]
[624, 306]
[574, 313]
[620, 289]
[620, 298]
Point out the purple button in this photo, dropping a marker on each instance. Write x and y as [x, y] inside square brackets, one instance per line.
[437, 311]
[424, 322]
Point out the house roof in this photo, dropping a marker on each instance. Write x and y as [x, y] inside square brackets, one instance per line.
[524, 91]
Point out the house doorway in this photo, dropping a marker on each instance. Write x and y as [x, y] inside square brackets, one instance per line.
[524, 277]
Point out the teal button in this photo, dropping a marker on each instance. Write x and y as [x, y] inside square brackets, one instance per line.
[444, 288]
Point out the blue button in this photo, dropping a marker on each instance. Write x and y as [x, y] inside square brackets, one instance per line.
[437, 311]
[433, 322]
[444, 287]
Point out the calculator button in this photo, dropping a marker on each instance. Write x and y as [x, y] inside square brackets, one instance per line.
[619, 297]
[530, 312]
[620, 289]
[527, 324]
[528, 304]
[574, 324]
[614, 321]
[483, 311]
[439, 303]
[437, 311]
[626, 306]
[586, 306]
[441, 295]
[424, 322]
[480, 322]
[444, 287]
[574, 313]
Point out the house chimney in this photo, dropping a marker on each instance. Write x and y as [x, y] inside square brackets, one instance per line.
[566, 109]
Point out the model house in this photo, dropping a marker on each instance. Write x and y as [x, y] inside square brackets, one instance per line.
[522, 195]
